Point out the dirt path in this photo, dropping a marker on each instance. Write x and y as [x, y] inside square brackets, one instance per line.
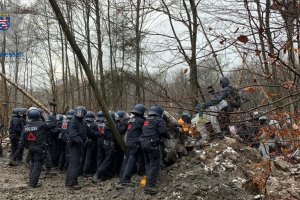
[190, 178]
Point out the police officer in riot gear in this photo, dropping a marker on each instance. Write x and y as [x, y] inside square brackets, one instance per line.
[154, 129]
[133, 146]
[34, 136]
[89, 163]
[16, 126]
[106, 169]
[54, 141]
[100, 121]
[122, 118]
[78, 131]
[64, 157]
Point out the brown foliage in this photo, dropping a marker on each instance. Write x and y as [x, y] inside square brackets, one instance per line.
[243, 38]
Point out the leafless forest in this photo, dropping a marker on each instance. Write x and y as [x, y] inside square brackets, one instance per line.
[151, 51]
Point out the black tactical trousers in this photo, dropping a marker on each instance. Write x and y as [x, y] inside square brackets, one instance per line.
[53, 148]
[36, 157]
[90, 157]
[74, 164]
[14, 142]
[47, 160]
[82, 159]
[105, 170]
[152, 159]
[61, 155]
[119, 156]
[100, 152]
[130, 162]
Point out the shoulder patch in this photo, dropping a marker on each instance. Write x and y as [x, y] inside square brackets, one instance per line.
[146, 123]
[64, 125]
[132, 120]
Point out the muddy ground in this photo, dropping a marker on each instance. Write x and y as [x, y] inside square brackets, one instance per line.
[214, 172]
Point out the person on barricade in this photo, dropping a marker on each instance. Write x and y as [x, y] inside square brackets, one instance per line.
[222, 103]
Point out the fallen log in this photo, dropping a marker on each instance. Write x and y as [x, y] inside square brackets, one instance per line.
[31, 98]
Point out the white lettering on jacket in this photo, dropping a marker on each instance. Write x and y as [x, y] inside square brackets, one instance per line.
[31, 128]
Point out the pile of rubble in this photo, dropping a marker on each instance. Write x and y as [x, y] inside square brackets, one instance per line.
[223, 169]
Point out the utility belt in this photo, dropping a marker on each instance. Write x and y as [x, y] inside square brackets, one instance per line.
[108, 143]
[153, 140]
[147, 137]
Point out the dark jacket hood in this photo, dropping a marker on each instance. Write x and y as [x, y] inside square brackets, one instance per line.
[224, 81]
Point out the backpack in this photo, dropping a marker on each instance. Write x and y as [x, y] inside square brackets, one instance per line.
[235, 98]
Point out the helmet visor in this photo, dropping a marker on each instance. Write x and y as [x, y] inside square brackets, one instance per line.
[79, 113]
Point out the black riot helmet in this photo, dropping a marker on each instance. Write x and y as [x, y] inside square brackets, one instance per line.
[156, 110]
[15, 112]
[122, 114]
[70, 114]
[89, 117]
[80, 112]
[34, 115]
[139, 109]
[100, 117]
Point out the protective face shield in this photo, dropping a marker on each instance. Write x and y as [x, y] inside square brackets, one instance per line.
[80, 113]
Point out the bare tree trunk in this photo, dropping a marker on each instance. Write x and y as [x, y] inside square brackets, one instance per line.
[77, 79]
[4, 91]
[138, 52]
[100, 52]
[271, 50]
[68, 74]
[112, 73]
[261, 40]
[16, 72]
[190, 59]
[64, 89]
[90, 59]
[51, 76]
[193, 25]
